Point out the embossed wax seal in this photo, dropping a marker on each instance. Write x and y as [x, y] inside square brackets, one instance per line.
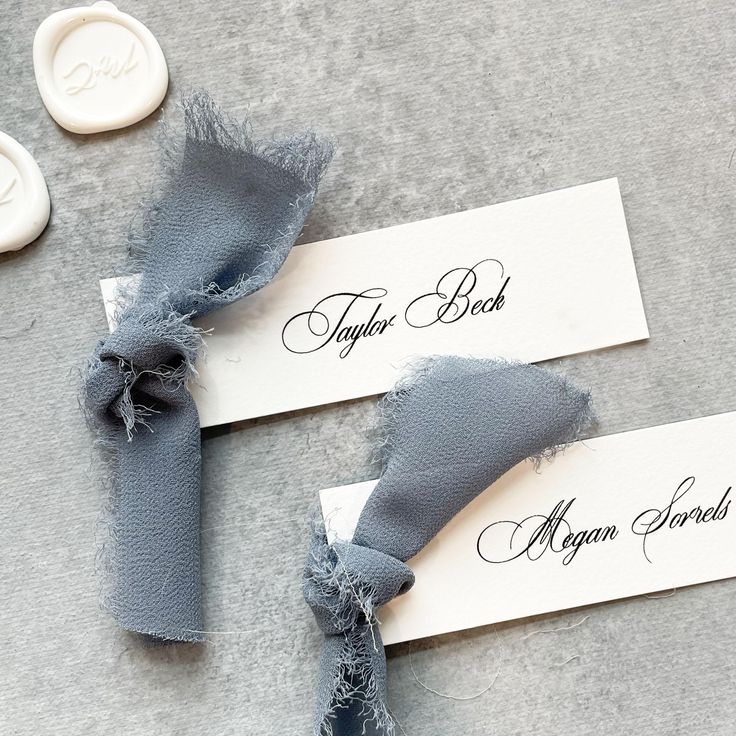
[98, 69]
[24, 199]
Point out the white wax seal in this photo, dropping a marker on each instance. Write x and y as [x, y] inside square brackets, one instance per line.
[24, 199]
[98, 69]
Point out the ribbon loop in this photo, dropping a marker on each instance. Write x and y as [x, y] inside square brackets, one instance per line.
[140, 345]
[143, 364]
[345, 584]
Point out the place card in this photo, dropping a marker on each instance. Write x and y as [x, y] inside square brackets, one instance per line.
[611, 517]
[532, 279]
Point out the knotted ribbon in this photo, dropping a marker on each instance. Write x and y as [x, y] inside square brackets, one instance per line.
[452, 429]
[228, 213]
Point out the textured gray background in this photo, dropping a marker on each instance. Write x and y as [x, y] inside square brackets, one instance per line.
[438, 107]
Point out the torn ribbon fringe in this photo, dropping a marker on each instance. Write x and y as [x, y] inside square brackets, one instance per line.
[228, 212]
[450, 430]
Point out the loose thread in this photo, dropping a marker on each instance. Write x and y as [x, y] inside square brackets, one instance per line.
[369, 615]
[223, 633]
[461, 698]
[251, 523]
[568, 660]
[666, 595]
[554, 631]
[396, 721]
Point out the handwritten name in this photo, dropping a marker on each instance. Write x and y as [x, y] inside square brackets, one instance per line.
[347, 317]
[451, 300]
[537, 534]
[89, 73]
[330, 321]
[652, 521]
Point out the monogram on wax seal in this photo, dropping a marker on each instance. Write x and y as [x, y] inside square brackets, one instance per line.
[98, 68]
[24, 199]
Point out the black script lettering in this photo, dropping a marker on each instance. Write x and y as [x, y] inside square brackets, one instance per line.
[332, 319]
[451, 300]
[504, 541]
[652, 520]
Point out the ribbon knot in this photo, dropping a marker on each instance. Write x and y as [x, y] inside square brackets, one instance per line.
[346, 583]
[143, 364]
[450, 431]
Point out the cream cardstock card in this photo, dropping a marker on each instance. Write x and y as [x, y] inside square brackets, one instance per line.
[612, 517]
[531, 279]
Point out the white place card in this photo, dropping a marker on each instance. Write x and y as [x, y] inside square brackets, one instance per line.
[612, 517]
[531, 279]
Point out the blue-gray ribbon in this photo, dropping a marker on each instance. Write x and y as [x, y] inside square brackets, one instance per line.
[227, 215]
[452, 429]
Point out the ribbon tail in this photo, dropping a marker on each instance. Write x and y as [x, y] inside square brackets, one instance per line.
[228, 211]
[351, 693]
[451, 429]
[148, 422]
[156, 544]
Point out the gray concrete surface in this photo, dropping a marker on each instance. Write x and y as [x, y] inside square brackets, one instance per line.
[438, 107]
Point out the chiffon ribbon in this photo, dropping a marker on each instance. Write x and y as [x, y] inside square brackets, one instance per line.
[227, 214]
[451, 430]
